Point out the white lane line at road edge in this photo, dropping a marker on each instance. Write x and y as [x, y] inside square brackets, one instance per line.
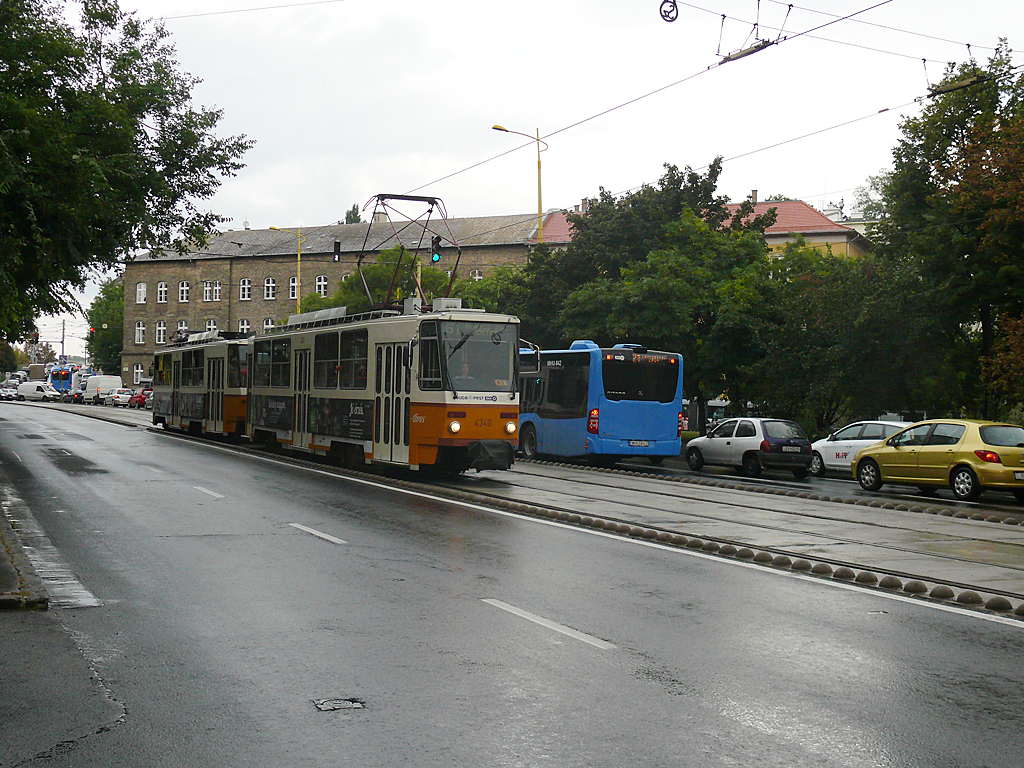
[596, 642]
[965, 612]
[208, 492]
[319, 534]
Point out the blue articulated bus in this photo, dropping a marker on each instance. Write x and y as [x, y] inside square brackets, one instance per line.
[600, 404]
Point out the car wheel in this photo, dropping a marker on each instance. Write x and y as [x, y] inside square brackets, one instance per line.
[965, 484]
[751, 465]
[800, 473]
[817, 467]
[695, 459]
[528, 442]
[869, 476]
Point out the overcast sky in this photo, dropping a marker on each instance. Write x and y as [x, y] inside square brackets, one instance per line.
[350, 98]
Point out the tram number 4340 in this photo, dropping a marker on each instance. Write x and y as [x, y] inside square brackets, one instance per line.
[482, 423]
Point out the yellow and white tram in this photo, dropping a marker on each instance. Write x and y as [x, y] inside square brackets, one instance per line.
[418, 389]
[199, 384]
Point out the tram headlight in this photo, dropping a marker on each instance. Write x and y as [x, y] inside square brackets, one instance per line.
[454, 427]
[510, 427]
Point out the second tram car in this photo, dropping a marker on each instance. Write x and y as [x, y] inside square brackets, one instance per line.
[199, 384]
[435, 389]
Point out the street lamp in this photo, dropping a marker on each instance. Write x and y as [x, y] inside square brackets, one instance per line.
[540, 207]
[298, 267]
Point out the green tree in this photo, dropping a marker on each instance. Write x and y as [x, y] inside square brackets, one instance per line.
[106, 317]
[8, 359]
[699, 294]
[617, 232]
[352, 215]
[101, 151]
[937, 212]
[498, 292]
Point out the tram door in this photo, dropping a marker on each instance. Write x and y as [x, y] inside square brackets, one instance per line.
[391, 403]
[302, 436]
[175, 390]
[215, 394]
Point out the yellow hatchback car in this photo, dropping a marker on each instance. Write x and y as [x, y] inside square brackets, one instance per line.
[967, 455]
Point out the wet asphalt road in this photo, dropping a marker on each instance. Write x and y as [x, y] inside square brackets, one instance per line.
[213, 598]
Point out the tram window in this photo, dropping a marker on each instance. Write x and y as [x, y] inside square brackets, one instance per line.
[237, 359]
[192, 361]
[261, 364]
[162, 370]
[354, 359]
[430, 356]
[325, 361]
[380, 369]
[387, 371]
[281, 363]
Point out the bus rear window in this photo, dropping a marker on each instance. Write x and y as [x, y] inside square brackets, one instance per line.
[646, 381]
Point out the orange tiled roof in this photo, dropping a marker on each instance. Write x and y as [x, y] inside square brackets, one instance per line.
[797, 217]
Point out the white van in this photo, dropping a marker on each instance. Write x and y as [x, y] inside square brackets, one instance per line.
[97, 386]
[37, 390]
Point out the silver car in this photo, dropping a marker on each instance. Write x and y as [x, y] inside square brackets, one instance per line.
[836, 452]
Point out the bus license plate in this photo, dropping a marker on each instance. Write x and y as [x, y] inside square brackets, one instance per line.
[638, 443]
[791, 449]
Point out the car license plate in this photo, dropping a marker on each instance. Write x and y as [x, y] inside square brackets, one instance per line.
[1018, 475]
[638, 443]
[791, 449]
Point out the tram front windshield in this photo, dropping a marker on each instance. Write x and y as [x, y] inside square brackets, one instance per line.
[480, 357]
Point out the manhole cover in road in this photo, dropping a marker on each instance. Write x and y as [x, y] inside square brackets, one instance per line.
[330, 705]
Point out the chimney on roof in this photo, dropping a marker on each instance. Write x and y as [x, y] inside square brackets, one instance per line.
[753, 196]
[380, 218]
[245, 224]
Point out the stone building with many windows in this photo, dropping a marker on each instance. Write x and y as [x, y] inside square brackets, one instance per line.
[247, 280]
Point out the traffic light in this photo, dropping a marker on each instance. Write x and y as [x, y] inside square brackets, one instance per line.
[35, 338]
[435, 249]
[337, 251]
[92, 333]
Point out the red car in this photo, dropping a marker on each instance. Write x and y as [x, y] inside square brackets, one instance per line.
[138, 400]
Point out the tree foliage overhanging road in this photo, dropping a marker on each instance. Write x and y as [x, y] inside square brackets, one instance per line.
[101, 151]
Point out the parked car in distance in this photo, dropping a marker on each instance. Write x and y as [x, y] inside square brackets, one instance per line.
[140, 397]
[8, 392]
[119, 396]
[966, 455]
[38, 390]
[753, 444]
[837, 451]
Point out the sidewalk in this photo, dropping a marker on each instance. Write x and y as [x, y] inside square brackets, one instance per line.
[20, 586]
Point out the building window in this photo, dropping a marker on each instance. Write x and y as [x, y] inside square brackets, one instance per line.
[211, 325]
[140, 332]
[245, 289]
[161, 332]
[476, 274]
[293, 287]
[183, 291]
[137, 371]
[140, 293]
[321, 284]
[269, 289]
[161, 292]
[268, 324]
[243, 326]
[183, 326]
[216, 290]
[207, 290]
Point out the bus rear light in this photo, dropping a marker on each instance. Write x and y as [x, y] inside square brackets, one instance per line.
[679, 425]
[592, 421]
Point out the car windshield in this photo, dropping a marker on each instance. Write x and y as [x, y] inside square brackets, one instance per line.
[1003, 435]
[783, 430]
